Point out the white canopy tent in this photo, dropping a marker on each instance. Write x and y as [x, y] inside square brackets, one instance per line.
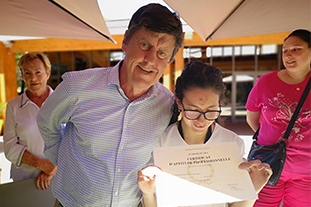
[216, 19]
[69, 19]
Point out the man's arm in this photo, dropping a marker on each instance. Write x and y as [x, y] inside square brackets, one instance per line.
[53, 114]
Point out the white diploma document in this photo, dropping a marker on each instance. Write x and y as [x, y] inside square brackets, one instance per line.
[200, 174]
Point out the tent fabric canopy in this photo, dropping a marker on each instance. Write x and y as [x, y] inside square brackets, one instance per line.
[217, 19]
[69, 19]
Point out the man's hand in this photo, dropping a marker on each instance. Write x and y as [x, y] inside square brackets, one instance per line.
[146, 179]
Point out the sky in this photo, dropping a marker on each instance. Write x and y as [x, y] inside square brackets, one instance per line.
[123, 9]
[117, 16]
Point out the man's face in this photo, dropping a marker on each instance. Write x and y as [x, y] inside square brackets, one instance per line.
[146, 56]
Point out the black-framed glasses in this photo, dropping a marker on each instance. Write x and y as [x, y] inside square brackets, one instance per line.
[209, 115]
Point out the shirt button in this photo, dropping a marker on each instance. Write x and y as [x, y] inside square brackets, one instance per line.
[125, 126]
[116, 193]
[121, 147]
[119, 170]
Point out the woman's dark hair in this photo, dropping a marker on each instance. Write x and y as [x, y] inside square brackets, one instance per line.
[303, 34]
[156, 18]
[198, 75]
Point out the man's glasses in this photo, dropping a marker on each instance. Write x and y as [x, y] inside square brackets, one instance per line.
[209, 115]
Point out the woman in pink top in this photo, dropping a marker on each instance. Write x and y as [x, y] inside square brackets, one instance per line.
[271, 105]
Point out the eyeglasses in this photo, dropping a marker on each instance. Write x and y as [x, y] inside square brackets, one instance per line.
[209, 115]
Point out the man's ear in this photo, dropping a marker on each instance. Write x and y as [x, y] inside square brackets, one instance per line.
[123, 41]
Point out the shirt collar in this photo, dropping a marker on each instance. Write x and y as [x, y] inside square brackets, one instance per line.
[113, 77]
[25, 100]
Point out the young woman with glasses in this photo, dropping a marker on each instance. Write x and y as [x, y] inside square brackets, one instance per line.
[198, 94]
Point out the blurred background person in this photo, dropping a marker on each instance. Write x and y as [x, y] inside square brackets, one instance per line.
[271, 105]
[23, 144]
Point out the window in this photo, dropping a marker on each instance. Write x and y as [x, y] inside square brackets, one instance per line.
[248, 50]
[228, 51]
[192, 53]
[116, 56]
[217, 51]
[208, 52]
[237, 50]
[269, 49]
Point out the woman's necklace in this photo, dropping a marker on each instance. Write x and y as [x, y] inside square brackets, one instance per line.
[298, 87]
[290, 79]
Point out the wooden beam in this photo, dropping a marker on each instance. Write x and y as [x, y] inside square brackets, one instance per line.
[53, 45]
[191, 40]
[167, 77]
[179, 64]
[8, 68]
[179, 60]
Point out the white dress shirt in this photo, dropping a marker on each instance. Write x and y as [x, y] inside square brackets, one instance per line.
[107, 138]
[20, 133]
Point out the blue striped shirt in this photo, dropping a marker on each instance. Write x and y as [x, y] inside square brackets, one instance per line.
[107, 138]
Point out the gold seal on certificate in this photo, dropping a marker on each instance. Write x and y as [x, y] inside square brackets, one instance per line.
[201, 174]
[197, 177]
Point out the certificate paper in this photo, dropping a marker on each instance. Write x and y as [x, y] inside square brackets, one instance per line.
[201, 174]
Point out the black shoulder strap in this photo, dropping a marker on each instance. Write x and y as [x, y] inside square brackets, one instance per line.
[297, 110]
[295, 115]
